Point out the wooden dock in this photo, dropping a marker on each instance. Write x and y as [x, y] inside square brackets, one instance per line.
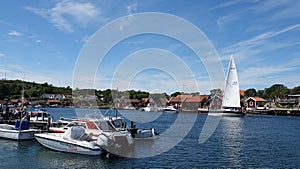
[277, 112]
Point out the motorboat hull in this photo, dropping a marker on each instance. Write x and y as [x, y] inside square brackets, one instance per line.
[8, 132]
[115, 141]
[55, 141]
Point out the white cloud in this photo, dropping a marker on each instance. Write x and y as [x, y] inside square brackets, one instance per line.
[65, 13]
[260, 43]
[228, 18]
[130, 10]
[1, 55]
[14, 33]
[278, 9]
[265, 76]
[38, 41]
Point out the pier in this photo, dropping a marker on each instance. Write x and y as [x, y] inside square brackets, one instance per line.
[277, 112]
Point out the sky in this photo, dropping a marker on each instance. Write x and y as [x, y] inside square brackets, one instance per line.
[46, 40]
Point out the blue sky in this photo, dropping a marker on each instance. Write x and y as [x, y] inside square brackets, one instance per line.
[44, 39]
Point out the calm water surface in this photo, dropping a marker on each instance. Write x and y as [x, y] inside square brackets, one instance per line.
[253, 141]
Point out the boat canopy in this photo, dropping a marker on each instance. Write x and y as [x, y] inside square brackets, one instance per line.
[74, 132]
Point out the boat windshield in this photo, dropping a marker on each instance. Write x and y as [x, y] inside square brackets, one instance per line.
[76, 124]
[106, 126]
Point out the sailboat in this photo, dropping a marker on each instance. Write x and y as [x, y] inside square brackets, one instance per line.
[231, 105]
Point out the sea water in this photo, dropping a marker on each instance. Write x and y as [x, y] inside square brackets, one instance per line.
[253, 141]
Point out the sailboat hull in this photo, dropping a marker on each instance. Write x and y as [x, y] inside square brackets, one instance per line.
[227, 113]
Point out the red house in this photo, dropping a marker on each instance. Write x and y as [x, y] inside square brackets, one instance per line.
[255, 102]
[178, 100]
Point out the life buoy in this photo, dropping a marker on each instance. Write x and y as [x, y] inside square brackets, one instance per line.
[251, 103]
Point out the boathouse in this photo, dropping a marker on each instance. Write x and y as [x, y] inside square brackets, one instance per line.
[178, 100]
[194, 102]
[255, 102]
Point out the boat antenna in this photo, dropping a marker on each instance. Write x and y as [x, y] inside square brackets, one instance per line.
[22, 96]
[116, 103]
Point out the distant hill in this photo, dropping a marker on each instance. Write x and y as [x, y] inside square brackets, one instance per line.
[12, 89]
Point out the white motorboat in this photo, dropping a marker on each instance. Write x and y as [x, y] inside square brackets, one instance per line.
[74, 140]
[171, 109]
[231, 99]
[150, 109]
[97, 127]
[19, 131]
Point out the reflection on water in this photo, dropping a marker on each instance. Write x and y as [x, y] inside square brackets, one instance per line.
[232, 142]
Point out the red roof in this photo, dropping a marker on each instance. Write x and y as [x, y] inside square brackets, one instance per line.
[257, 99]
[53, 101]
[179, 98]
[196, 99]
[134, 100]
[242, 92]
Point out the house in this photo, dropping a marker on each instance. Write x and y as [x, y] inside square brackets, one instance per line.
[53, 96]
[134, 102]
[291, 100]
[215, 102]
[178, 100]
[47, 96]
[59, 97]
[194, 102]
[162, 102]
[255, 103]
[144, 102]
[124, 102]
[53, 103]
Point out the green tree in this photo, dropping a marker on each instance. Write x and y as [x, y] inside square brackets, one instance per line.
[250, 92]
[175, 94]
[295, 90]
[276, 91]
[261, 93]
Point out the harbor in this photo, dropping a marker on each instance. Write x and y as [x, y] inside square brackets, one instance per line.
[251, 141]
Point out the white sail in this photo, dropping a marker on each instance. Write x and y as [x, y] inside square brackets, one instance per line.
[231, 96]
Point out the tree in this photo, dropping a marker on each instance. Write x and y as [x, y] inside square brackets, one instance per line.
[175, 94]
[250, 92]
[216, 92]
[261, 93]
[295, 90]
[276, 91]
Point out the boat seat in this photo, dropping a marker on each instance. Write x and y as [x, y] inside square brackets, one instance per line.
[86, 137]
[22, 125]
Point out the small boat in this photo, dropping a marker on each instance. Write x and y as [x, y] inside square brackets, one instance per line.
[98, 127]
[39, 115]
[146, 109]
[128, 108]
[19, 131]
[231, 100]
[151, 109]
[74, 140]
[144, 134]
[135, 132]
[203, 110]
[170, 108]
